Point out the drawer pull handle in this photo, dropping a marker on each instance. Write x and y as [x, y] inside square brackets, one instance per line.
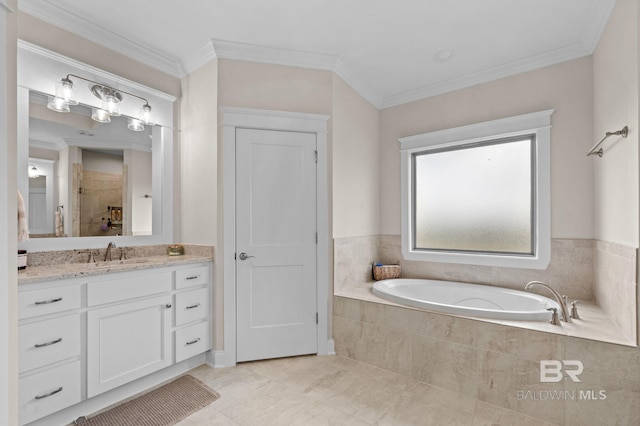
[193, 341]
[193, 277]
[47, 395]
[193, 306]
[53, 342]
[46, 302]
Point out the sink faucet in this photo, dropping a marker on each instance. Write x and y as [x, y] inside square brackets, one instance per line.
[107, 255]
[564, 311]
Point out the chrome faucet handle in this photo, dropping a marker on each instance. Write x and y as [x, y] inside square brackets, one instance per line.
[574, 310]
[554, 316]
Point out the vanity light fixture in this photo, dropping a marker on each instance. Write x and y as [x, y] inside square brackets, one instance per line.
[64, 91]
[110, 102]
[100, 115]
[57, 104]
[135, 125]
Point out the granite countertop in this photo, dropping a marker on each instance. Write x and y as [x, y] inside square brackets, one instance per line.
[52, 270]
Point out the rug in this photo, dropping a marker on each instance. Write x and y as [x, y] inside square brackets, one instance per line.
[164, 406]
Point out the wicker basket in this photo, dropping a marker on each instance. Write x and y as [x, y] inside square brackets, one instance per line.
[385, 272]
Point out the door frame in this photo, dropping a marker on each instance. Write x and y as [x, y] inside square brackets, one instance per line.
[249, 118]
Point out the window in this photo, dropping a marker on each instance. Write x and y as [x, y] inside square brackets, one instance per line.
[479, 194]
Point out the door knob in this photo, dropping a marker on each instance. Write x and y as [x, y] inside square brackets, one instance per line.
[244, 256]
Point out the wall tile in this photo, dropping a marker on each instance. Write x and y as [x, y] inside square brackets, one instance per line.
[443, 327]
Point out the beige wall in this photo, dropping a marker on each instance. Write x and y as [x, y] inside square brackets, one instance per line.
[615, 64]
[566, 87]
[356, 159]
[198, 190]
[58, 40]
[275, 87]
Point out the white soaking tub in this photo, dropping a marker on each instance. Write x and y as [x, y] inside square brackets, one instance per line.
[474, 300]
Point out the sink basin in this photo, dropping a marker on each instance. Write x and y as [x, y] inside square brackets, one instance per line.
[131, 261]
[117, 263]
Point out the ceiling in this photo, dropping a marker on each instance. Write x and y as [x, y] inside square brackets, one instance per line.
[390, 51]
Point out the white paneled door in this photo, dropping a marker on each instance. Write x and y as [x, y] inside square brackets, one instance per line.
[275, 244]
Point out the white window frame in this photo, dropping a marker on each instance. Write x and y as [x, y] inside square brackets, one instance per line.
[539, 124]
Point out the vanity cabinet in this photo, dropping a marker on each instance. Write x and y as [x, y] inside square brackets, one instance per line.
[82, 337]
[49, 350]
[128, 329]
[127, 341]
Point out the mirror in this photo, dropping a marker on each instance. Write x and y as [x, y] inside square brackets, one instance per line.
[91, 182]
[107, 178]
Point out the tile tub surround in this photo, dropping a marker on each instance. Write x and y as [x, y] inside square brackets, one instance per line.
[615, 284]
[570, 271]
[63, 264]
[492, 363]
[574, 267]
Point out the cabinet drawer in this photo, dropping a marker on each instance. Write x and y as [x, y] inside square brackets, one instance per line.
[192, 340]
[48, 301]
[46, 342]
[50, 391]
[128, 287]
[192, 277]
[192, 306]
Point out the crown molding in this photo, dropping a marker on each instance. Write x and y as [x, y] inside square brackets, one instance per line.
[51, 146]
[567, 53]
[358, 85]
[48, 11]
[205, 54]
[273, 55]
[600, 15]
[5, 6]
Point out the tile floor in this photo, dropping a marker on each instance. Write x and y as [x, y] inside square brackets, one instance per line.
[333, 390]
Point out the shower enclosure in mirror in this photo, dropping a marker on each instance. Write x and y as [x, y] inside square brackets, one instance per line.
[90, 167]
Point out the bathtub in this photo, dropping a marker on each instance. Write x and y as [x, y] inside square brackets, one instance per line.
[472, 300]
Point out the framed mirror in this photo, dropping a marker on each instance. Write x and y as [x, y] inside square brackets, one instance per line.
[88, 180]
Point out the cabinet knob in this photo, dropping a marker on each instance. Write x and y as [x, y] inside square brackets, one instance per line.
[168, 306]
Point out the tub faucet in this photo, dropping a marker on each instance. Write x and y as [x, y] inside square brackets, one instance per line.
[107, 255]
[564, 311]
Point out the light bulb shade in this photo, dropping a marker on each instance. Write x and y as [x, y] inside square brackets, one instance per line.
[113, 108]
[57, 104]
[64, 90]
[146, 115]
[100, 115]
[33, 172]
[135, 125]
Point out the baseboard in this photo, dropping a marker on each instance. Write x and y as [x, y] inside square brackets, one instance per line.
[216, 359]
[331, 347]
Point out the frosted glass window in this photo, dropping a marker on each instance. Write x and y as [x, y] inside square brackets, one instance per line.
[476, 198]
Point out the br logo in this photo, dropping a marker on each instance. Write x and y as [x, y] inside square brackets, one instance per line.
[551, 370]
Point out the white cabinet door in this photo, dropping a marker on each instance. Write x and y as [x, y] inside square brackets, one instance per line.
[127, 341]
